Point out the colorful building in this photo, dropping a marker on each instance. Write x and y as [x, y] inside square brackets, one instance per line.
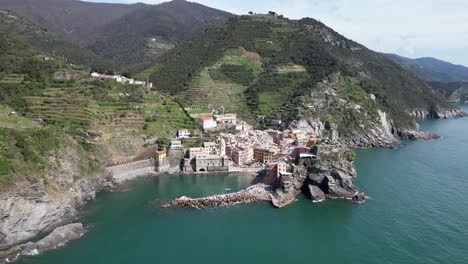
[241, 156]
[194, 152]
[161, 161]
[263, 155]
[210, 148]
[226, 120]
[276, 168]
[298, 151]
[206, 122]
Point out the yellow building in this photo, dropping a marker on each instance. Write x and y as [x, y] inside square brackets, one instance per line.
[160, 155]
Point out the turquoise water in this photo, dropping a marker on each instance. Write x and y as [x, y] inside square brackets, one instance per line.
[418, 213]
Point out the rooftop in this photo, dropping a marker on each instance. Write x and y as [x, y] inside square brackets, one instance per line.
[206, 118]
[209, 144]
[202, 157]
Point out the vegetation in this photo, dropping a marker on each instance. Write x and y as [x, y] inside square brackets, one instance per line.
[98, 119]
[260, 67]
[24, 152]
[432, 70]
[46, 42]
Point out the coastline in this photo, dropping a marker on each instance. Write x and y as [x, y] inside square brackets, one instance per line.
[108, 184]
[11, 253]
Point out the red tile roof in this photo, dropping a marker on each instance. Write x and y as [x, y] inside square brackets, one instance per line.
[206, 118]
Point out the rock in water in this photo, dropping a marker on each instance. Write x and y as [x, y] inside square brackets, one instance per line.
[60, 236]
[316, 193]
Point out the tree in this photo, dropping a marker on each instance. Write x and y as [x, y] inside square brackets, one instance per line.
[251, 13]
[162, 143]
[272, 13]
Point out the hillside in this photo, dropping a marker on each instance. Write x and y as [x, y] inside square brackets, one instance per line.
[456, 92]
[131, 35]
[74, 20]
[47, 42]
[267, 67]
[149, 32]
[50, 100]
[432, 70]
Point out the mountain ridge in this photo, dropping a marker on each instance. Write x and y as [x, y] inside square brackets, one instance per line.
[132, 35]
[432, 69]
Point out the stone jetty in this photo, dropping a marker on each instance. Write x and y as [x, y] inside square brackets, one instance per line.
[258, 192]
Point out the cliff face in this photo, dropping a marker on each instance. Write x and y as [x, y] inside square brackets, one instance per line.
[341, 110]
[42, 203]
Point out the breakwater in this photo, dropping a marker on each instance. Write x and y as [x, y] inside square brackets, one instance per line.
[258, 192]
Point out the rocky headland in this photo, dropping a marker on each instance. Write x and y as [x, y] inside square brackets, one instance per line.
[331, 176]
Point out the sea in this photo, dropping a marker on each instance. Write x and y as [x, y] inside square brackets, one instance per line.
[417, 212]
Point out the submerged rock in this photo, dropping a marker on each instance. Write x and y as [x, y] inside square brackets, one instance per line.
[57, 238]
[60, 236]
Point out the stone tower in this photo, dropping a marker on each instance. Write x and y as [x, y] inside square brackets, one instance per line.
[222, 148]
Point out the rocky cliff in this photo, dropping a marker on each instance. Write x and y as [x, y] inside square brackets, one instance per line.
[341, 110]
[40, 203]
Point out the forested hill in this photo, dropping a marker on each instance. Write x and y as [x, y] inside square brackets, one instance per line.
[74, 20]
[129, 34]
[432, 70]
[149, 32]
[47, 42]
[267, 65]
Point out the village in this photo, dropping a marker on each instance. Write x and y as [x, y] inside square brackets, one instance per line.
[269, 152]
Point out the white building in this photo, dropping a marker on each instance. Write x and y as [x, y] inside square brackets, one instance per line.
[183, 133]
[176, 144]
[206, 122]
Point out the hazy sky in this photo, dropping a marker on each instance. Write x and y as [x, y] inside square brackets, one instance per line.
[412, 28]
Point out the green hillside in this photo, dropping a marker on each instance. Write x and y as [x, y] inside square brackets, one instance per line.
[49, 106]
[47, 42]
[263, 65]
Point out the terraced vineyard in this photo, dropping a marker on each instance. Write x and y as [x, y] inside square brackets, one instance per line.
[67, 107]
[10, 119]
[12, 79]
[224, 83]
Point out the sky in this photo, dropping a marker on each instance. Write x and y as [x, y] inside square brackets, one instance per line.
[411, 28]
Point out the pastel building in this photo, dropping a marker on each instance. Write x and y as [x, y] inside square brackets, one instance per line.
[206, 122]
[263, 155]
[226, 120]
[241, 156]
[161, 161]
[194, 152]
[210, 148]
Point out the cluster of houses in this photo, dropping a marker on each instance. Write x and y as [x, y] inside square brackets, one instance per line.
[248, 148]
[122, 79]
[220, 121]
[211, 157]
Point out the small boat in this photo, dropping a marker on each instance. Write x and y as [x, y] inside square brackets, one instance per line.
[227, 189]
